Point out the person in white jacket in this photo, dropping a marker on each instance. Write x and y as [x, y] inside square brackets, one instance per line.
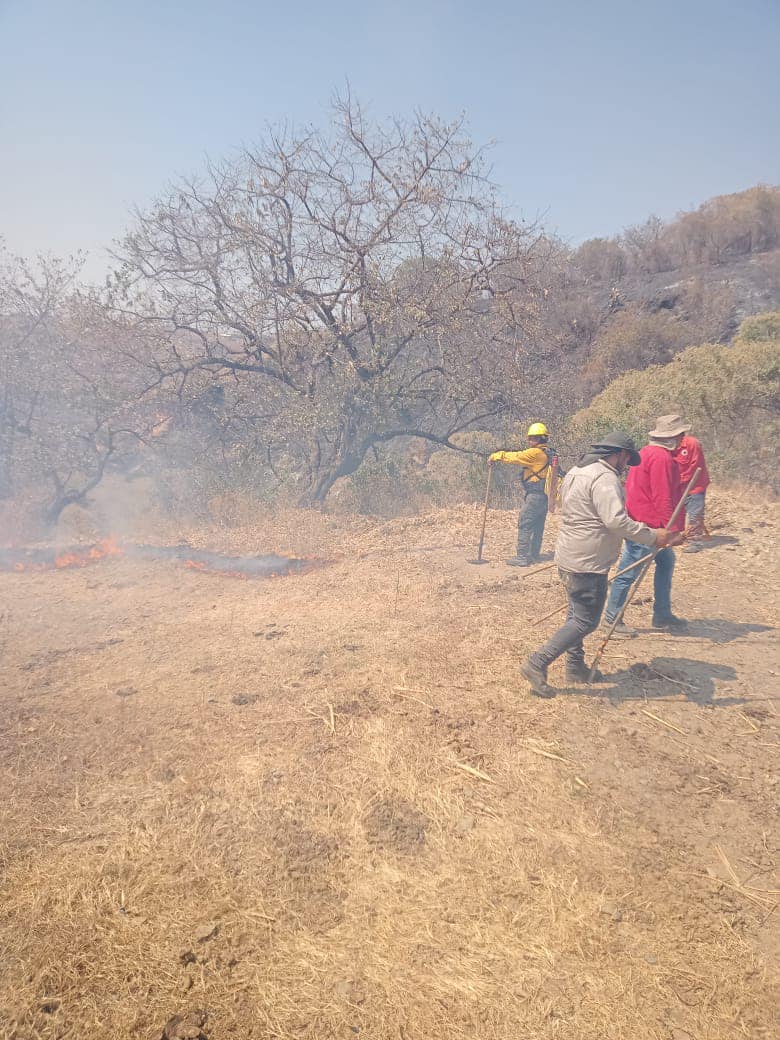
[594, 523]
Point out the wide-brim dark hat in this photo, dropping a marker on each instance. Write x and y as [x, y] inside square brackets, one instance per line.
[620, 442]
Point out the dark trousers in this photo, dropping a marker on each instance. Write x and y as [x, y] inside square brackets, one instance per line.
[530, 526]
[587, 594]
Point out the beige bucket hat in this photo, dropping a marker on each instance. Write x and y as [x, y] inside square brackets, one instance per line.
[669, 426]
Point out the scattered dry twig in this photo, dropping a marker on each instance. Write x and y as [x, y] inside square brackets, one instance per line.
[548, 754]
[677, 682]
[475, 772]
[669, 725]
[400, 691]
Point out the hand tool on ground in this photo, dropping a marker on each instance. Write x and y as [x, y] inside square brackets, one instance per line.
[538, 570]
[631, 592]
[479, 558]
[563, 606]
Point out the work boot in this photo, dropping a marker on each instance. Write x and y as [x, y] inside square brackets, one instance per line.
[622, 630]
[537, 679]
[670, 623]
[517, 561]
[580, 673]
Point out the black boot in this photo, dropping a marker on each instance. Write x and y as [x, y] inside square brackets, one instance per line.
[580, 673]
[537, 679]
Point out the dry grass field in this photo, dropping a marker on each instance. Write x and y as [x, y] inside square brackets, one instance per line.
[325, 806]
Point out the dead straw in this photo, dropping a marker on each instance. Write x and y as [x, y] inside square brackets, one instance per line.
[477, 773]
[375, 886]
[663, 722]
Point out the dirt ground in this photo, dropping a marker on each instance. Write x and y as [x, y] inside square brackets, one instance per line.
[325, 806]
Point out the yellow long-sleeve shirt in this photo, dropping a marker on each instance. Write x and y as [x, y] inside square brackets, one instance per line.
[533, 460]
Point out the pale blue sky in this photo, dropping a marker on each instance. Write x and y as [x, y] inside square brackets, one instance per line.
[602, 111]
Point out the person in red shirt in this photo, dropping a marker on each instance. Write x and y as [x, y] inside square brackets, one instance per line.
[689, 457]
[653, 489]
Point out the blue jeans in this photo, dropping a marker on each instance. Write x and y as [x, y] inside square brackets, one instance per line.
[662, 581]
[694, 507]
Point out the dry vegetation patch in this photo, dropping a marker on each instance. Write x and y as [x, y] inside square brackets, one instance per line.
[363, 826]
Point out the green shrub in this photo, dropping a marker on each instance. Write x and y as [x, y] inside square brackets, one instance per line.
[729, 393]
[761, 327]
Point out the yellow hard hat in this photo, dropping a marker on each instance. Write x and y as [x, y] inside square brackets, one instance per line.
[537, 429]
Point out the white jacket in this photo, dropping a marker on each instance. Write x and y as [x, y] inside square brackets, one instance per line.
[594, 520]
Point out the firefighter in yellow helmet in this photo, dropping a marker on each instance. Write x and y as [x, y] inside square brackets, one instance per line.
[537, 462]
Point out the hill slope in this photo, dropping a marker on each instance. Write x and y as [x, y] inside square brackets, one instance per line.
[325, 806]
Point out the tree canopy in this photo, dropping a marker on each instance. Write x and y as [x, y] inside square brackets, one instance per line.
[344, 288]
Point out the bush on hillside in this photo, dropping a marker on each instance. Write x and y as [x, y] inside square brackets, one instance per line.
[729, 393]
[761, 328]
[634, 338]
[651, 333]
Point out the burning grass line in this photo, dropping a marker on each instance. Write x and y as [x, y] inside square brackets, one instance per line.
[269, 565]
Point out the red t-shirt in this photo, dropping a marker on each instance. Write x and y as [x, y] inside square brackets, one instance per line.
[653, 488]
[690, 457]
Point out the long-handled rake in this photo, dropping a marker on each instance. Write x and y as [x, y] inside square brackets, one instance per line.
[479, 558]
[563, 606]
[632, 591]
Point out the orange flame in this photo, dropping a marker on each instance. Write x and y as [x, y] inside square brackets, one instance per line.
[107, 547]
[80, 556]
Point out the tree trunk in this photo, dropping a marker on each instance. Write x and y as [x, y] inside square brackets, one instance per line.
[60, 504]
[63, 498]
[345, 466]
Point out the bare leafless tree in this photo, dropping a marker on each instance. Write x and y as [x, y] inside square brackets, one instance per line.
[348, 287]
[69, 402]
